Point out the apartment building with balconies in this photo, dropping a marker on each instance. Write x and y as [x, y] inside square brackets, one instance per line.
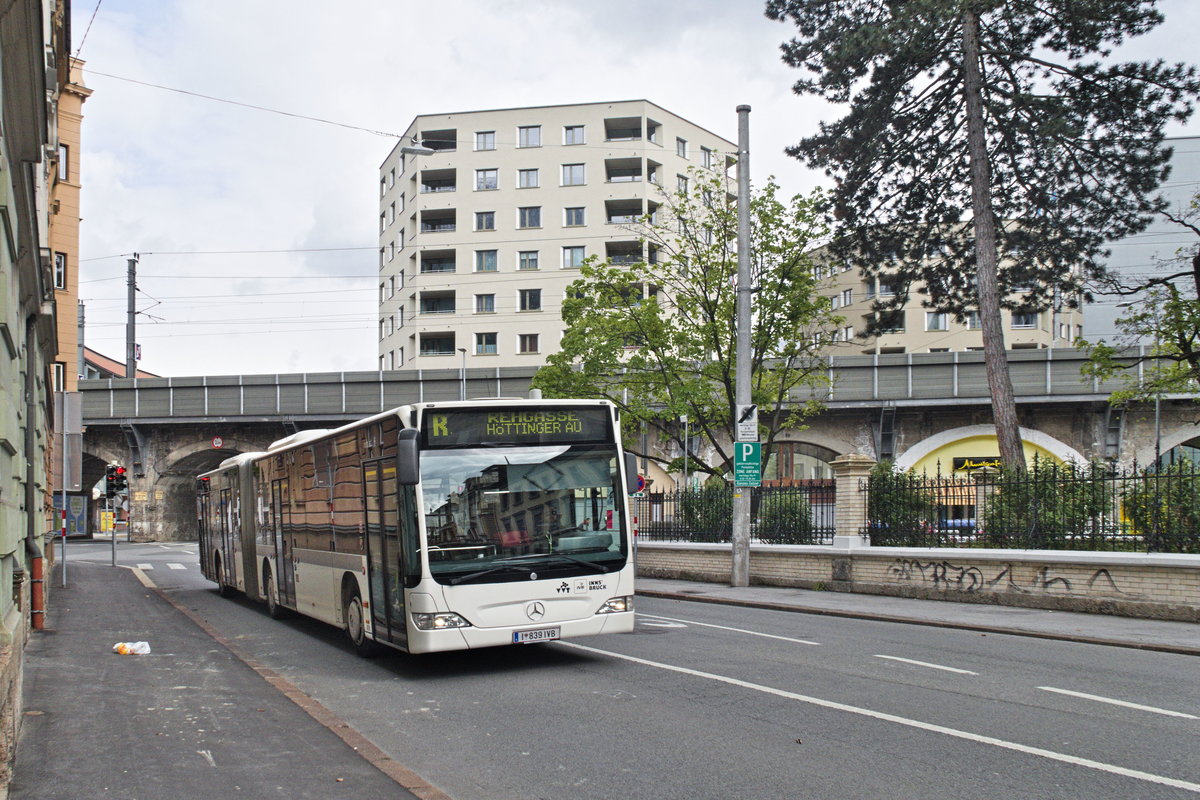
[914, 329]
[480, 238]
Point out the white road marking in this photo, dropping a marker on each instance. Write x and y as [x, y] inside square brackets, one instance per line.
[663, 624]
[145, 566]
[1124, 703]
[175, 566]
[927, 664]
[735, 630]
[207, 754]
[911, 723]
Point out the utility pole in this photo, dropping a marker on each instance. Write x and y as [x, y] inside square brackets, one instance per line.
[741, 496]
[131, 324]
[81, 367]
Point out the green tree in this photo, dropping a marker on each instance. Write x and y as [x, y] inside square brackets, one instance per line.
[986, 149]
[657, 337]
[1166, 311]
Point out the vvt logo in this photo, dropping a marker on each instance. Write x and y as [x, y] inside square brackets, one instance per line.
[564, 588]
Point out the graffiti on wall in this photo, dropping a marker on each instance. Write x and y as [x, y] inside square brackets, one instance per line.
[946, 576]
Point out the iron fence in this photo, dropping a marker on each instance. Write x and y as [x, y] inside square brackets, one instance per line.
[797, 514]
[1050, 506]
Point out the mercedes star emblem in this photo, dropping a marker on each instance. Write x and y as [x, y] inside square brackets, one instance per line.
[535, 611]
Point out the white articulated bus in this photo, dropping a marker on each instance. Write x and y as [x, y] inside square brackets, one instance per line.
[434, 526]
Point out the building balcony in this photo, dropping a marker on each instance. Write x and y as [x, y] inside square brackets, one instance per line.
[622, 212]
[623, 129]
[438, 180]
[441, 221]
[443, 140]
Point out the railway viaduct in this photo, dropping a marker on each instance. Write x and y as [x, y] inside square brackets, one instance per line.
[902, 406]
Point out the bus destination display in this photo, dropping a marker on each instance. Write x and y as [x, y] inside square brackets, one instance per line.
[467, 427]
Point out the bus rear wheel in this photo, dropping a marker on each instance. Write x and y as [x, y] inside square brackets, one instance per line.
[224, 589]
[275, 610]
[356, 627]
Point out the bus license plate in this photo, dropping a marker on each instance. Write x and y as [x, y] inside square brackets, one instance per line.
[536, 635]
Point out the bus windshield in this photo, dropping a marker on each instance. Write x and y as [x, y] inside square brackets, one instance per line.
[496, 514]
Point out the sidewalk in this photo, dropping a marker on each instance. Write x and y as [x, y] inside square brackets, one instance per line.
[189, 720]
[1171, 637]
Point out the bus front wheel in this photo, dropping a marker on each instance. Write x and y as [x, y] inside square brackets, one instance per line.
[356, 628]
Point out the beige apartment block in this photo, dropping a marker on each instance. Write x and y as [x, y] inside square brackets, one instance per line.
[479, 240]
[919, 330]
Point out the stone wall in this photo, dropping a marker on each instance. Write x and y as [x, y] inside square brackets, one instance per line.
[1154, 586]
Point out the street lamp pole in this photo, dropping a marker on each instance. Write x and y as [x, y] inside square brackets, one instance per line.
[687, 451]
[740, 539]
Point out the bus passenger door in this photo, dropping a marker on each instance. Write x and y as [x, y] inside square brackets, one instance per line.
[285, 580]
[383, 553]
[226, 576]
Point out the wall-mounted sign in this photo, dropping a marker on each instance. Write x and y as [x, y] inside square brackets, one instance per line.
[218, 442]
[969, 463]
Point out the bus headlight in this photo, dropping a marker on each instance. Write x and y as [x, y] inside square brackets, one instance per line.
[438, 622]
[617, 605]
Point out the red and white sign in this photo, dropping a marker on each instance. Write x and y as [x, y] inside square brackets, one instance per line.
[217, 442]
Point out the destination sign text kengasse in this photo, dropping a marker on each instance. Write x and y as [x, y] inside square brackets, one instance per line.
[466, 427]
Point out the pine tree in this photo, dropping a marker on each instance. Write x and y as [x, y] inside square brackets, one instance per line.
[989, 151]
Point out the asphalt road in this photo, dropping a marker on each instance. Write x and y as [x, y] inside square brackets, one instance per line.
[709, 701]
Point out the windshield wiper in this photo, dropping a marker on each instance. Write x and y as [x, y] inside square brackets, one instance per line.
[591, 564]
[490, 571]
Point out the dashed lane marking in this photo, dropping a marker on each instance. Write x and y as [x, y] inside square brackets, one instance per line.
[145, 566]
[175, 566]
[735, 630]
[927, 664]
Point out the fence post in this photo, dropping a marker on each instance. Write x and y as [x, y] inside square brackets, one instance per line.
[850, 510]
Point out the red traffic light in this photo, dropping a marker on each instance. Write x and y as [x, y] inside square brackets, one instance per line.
[120, 470]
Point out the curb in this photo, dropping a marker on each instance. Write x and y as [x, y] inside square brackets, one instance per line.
[1182, 650]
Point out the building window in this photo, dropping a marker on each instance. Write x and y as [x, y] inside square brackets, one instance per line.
[527, 178]
[485, 260]
[391, 179]
[573, 134]
[64, 162]
[531, 299]
[1024, 319]
[382, 192]
[60, 270]
[60, 376]
[382, 223]
[391, 251]
[936, 321]
[573, 175]
[573, 256]
[485, 140]
[486, 179]
[391, 214]
[681, 184]
[485, 344]
[847, 297]
[848, 333]
[485, 220]
[529, 217]
[485, 304]
[706, 158]
[527, 343]
[973, 320]
[527, 259]
[529, 136]
[681, 147]
[573, 216]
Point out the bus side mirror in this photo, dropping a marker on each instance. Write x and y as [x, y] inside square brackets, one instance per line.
[408, 458]
[631, 473]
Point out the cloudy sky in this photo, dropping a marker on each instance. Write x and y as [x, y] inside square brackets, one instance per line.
[257, 230]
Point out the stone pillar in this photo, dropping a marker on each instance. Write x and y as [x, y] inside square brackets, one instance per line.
[850, 514]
